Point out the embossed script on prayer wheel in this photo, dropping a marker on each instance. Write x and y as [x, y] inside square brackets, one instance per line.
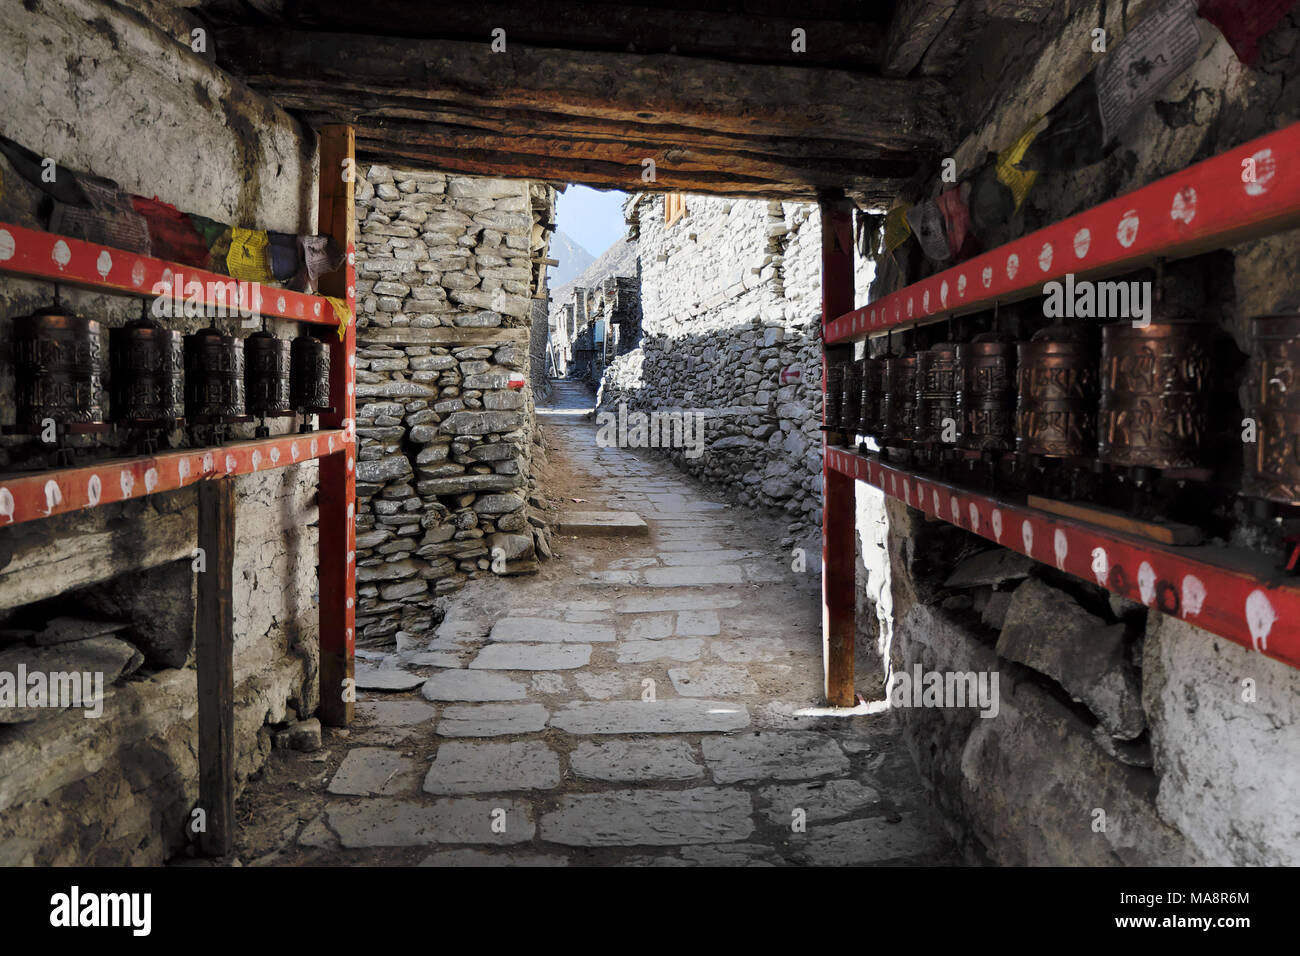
[309, 374]
[851, 397]
[869, 417]
[1057, 412]
[986, 399]
[898, 386]
[936, 393]
[266, 375]
[834, 394]
[1154, 405]
[147, 368]
[214, 375]
[58, 368]
[1273, 401]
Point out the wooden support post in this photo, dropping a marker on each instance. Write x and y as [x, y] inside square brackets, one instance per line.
[214, 648]
[838, 510]
[337, 564]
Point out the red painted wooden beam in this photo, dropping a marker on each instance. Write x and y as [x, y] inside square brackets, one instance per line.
[1222, 591]
[27, 497]
[45, 256]
[1249, 191]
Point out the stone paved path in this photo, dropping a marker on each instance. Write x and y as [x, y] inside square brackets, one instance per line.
[643, 701]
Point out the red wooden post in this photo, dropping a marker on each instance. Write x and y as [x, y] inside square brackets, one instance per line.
[337, 560]
[838, 570]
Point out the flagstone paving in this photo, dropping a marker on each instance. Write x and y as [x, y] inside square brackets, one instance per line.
[647, 699]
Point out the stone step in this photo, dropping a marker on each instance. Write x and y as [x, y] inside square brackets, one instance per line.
[609, 523]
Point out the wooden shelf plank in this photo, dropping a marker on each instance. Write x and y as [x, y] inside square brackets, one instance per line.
[45, 256]
[30, 496]
[1229, 592]
[1209, 205]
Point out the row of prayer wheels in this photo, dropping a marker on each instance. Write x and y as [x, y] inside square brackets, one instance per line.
[158, 377]
[1140, 398]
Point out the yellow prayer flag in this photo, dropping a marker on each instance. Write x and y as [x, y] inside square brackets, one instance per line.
[246, 260]
[1019, 181]
[342, 313]
[896, 228]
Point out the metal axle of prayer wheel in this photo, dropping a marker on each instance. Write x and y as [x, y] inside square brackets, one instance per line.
[214, 381]
[266, 379]
[309, 378]
[851, 401]
[58, 376]
[936, 399]
[834, 398]
[869, 414]
[147, 379]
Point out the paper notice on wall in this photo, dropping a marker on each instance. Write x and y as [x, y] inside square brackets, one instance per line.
[1146, 61]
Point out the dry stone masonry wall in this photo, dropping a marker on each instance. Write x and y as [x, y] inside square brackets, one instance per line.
[447, 271]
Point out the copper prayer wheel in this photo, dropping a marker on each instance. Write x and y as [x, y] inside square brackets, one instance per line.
[1154, 410]
[851, 397]
[834, 394]
[309, 374]
[1057, 412]
[58, 368]
[266, 375]
[936, 392]
[146, 363]
[869, 415]
[1273, 400]
[898, 389]
[986, 399]
[214, 376]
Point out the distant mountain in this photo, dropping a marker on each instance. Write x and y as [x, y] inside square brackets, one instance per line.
[572, 257]
[618, 260]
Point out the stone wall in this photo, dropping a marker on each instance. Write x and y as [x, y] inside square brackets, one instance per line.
[1186, 743]
[447, 270]
[87, 84]
[731, 296]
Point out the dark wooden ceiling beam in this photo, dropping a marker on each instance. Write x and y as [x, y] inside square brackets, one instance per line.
[744, 36]
[915, 26]
[738, 99]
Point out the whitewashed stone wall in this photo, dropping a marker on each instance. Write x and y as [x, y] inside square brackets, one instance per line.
[88, 84]
[1210, 776]
[730, 296]
[445, 284]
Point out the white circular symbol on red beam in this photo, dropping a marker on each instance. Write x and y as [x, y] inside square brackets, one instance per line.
[104, 264]
[231, 463]
[1260, 617]
[1082, 242]
[1193, 595]
[1184, 208]
[974, 517]
[1062, 547]
[7, 504]
[293, 450]
[126, 480]
[7, 245]
[257, 458]
[961, 285]
[1045, 257]
[62, 255]
[987, 276]
[53, 496]
[1027, 535]
[996, 518]
[925, 301]
[94, 490]
[943, 293]
[1100, 566]
[150, 480]
[1265, 173]
[1127, 231]
[1013, 265]
[275, 454]
[137, 274]
[279, 304]
[1146, 583]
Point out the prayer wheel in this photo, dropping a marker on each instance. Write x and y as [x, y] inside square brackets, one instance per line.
[309, 374]
[986, 398]
[58, 368]
[869, 415]
[936, 393]
[1154, 410]
[834, 397]
[266, 375]
[1057, 412]
[214, 376]
[1273, 401]
[898, 388]
[851, 397]
[146, 364]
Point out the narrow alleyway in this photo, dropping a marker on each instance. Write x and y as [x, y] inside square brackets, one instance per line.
[644, 700]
